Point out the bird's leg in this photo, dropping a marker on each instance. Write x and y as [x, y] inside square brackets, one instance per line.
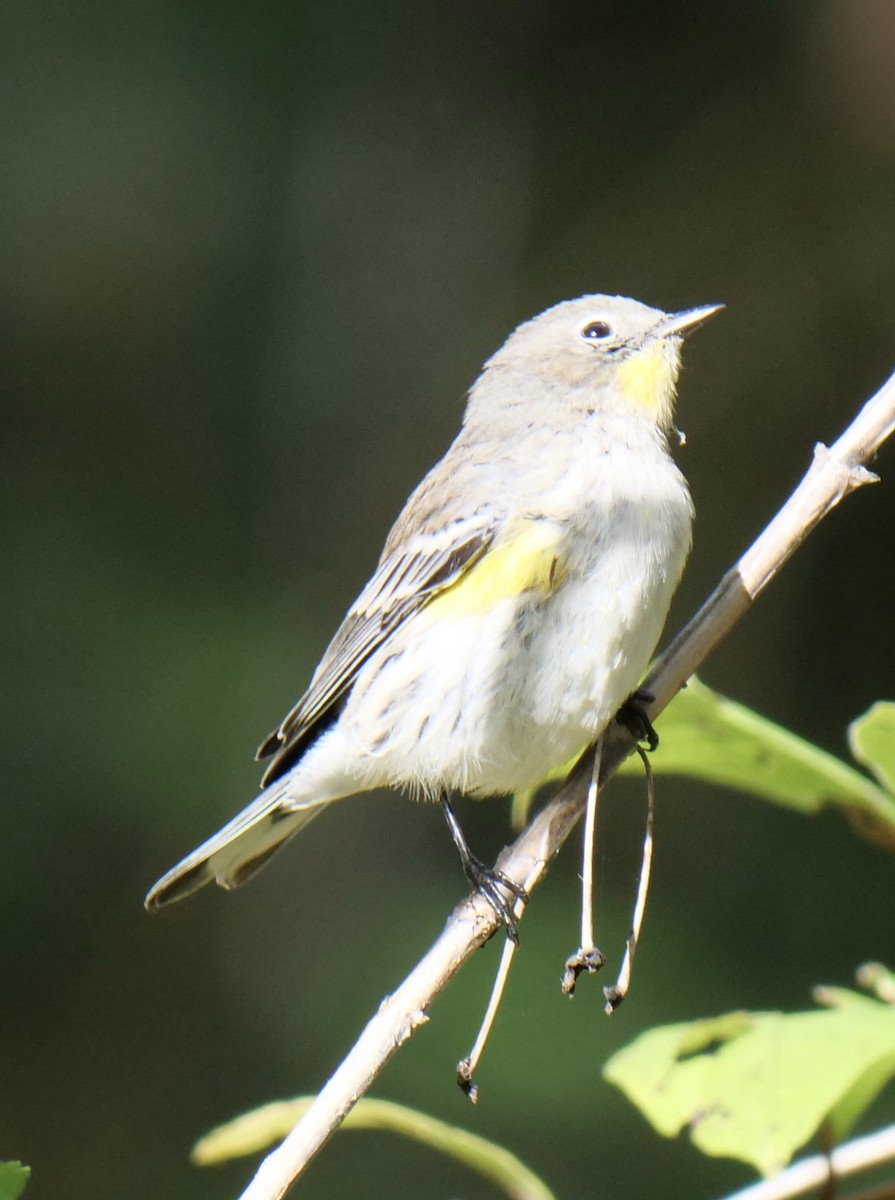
[632, 715]
[488, 880]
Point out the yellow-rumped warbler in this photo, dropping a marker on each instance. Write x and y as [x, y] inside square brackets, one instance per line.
[517, 600]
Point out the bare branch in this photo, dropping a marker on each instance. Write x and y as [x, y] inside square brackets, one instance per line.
[832, 475]
[809, 1173]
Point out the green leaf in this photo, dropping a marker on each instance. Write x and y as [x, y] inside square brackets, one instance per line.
[13, 1177]
[256, 1130]
[757, 1086]
[707, 736]
[872, 742]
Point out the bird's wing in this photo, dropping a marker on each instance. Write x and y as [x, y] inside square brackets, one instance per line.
[407, 578]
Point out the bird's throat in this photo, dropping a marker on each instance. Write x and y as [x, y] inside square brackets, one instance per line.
[648, 377]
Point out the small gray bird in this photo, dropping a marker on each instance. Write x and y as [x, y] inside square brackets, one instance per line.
[517, 600]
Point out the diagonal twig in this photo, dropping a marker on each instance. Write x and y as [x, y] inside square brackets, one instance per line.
[810, 1173]
[832, 475]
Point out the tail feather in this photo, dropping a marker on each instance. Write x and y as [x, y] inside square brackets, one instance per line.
[238, 850]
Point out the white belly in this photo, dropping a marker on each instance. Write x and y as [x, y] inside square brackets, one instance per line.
[491, 702]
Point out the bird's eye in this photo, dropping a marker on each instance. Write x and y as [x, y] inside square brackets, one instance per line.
[596, 331]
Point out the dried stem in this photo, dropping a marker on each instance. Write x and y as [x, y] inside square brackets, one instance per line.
[832, 475]
[467, 1066]
[587, 866]
[810, 1173]
[617, 992]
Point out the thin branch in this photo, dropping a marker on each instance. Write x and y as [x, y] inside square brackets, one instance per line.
[587, 866]
[588, 957]
[833, 474]
[810, 1173]
[617, 992]
[467, 1066]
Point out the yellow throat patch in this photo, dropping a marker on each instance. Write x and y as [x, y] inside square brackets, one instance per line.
[648, 378]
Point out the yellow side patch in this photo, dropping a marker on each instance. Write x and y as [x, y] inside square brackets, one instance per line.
[526, 561]
[648, 377]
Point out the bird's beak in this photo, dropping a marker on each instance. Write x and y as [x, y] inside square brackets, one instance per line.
[681, 323]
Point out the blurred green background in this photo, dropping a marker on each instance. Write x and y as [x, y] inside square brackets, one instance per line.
[252, 255]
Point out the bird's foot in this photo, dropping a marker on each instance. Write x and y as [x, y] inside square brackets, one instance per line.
[489, 881]
[632, 715]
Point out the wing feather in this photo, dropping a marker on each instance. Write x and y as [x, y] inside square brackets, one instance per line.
[404, 582]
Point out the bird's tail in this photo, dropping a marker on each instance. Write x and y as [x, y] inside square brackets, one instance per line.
[238, 850]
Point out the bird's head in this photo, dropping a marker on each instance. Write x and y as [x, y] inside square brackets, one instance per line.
[606, 352]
